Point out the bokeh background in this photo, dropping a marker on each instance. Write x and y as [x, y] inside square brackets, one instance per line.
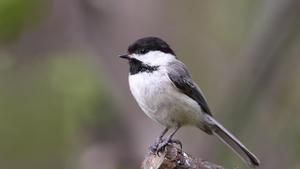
[64, 96]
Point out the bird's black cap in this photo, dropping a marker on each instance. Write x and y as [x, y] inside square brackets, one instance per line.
[147, 44]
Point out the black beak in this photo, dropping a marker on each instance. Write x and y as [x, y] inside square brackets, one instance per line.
[125, 56]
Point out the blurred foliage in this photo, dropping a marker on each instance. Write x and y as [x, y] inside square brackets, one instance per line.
[42, 107]
[239, 14]
[15, 15]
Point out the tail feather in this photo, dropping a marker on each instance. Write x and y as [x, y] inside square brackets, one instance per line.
[232, 142]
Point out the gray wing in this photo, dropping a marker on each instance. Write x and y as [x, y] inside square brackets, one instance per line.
[181, 78]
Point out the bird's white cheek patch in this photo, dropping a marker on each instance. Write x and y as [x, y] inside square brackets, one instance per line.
[155, 58]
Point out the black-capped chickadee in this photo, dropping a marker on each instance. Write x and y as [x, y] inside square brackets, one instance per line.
[166, 92]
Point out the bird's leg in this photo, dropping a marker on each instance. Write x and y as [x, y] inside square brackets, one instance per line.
[169, 140]
[153, 147]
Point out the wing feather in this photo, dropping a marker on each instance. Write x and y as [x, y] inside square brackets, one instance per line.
[182, 80]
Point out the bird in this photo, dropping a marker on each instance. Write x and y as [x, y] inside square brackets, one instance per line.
[164, 89]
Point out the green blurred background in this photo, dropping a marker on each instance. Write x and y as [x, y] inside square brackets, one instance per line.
[64, 96]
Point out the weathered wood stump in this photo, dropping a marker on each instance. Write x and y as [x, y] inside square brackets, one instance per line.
[174, 158]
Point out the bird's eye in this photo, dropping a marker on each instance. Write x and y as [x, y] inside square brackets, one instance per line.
[143, 51]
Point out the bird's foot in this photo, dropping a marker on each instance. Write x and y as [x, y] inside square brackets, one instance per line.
[176, 142]
[160, 145]
[153, 147]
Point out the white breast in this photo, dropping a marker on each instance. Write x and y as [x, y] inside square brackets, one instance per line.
[161, 101]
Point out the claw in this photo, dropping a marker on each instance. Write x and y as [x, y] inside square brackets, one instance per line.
[160, 144]
[161, 147]
[176, 142]
[154, 147]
